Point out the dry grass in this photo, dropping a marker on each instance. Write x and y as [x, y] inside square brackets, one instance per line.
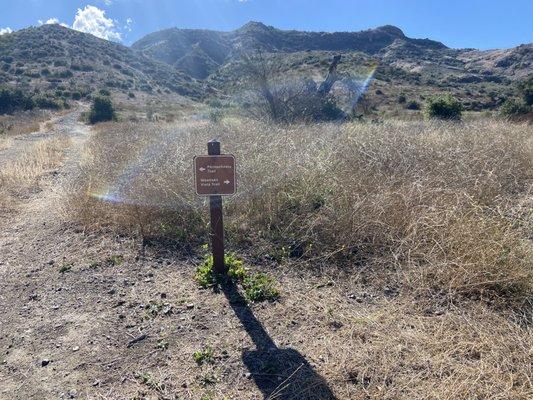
[21, 176]
[5, 142]
[467, 353]
[441, 208]
[23, 122]
[435, 218]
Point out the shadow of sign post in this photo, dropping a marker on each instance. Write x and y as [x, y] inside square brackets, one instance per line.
[280, 374]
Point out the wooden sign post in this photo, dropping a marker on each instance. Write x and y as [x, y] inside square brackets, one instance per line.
[214, 176]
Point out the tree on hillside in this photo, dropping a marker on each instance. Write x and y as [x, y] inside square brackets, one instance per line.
[443, 106]
[102, 110]
[520, 109]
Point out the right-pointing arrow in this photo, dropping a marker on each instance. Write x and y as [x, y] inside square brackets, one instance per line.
[227, 182]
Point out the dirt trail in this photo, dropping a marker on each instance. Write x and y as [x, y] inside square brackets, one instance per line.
[64, 125]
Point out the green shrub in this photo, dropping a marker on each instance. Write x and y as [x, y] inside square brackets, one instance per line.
[513, 108]
[257, 286]
[47, 102]
[102, 109]
[204, 274]
[413, 105]
[204, 355]
[402, 99]
[260, 287]
[65, 268]
[443, 107]
[526, 90]
[13, 100]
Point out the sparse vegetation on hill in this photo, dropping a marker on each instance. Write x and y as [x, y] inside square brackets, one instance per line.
[68, 64]
[481, 80]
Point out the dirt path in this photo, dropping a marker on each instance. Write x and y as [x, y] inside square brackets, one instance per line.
[64, 125]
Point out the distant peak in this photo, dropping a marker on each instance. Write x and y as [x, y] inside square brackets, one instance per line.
[391, 29]
[254, 25]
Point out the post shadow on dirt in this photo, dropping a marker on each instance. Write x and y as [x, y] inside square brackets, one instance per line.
[280, 374]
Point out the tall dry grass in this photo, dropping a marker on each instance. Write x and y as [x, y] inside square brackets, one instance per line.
[22, 123]
[440, 209]
[21, 175]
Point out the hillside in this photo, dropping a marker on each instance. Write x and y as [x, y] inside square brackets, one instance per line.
[210, 49]
[68, 63]
[415, 68]
[387, 43]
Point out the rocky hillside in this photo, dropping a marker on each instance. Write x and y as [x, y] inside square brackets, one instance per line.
[201, 52]
[68, 63]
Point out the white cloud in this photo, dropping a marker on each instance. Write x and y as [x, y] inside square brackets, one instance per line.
[4, 31]
[52, 21]
[93, 20]
[108, 2]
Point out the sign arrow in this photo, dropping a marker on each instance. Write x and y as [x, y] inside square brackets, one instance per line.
[202, 169]
[227, 182]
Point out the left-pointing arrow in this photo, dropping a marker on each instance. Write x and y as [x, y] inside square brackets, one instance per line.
[202, 169]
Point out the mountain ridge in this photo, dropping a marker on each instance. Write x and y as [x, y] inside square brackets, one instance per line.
[201, 52]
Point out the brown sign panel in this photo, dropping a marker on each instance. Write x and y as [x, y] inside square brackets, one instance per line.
[215, 175]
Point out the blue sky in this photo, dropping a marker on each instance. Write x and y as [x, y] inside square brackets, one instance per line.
[475, 23]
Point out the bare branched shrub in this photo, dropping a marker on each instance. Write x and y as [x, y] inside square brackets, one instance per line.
[289, 99]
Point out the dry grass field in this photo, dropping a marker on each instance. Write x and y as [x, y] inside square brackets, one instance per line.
[401, 251]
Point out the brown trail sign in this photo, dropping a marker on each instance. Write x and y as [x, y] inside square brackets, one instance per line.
[214, 176]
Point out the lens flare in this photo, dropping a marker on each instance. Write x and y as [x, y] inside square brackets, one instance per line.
[124, 188]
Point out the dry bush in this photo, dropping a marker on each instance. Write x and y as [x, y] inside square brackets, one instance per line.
[20, 176]
[434, 207]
